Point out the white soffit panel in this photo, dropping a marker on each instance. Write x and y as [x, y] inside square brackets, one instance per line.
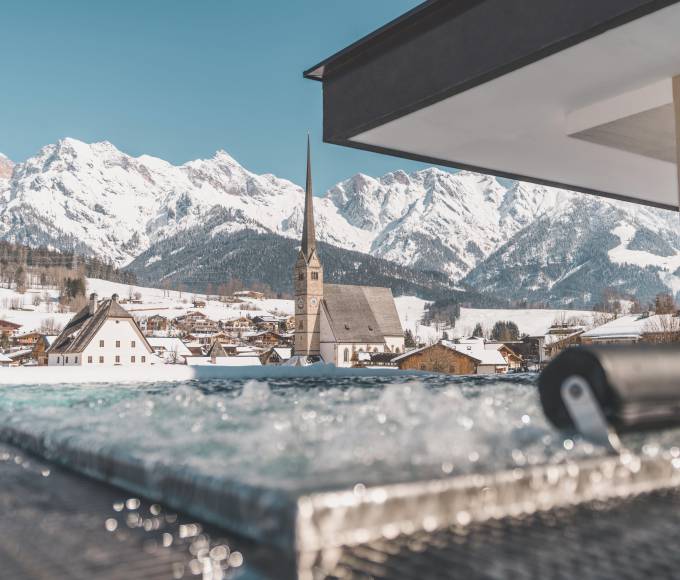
[522, 123]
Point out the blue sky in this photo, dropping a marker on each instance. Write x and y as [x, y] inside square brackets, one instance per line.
[180, 79]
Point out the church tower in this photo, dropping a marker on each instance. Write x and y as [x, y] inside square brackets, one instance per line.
[308, 280]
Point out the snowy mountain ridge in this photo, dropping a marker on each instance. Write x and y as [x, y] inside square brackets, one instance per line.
[6, 167]
[98, 200]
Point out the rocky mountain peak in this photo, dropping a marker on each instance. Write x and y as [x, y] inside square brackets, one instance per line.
[6, 167]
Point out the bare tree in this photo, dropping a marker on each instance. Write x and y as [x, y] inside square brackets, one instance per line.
[662, 329]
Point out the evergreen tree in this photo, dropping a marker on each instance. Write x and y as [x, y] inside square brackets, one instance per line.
[478, 331]
[505, 331]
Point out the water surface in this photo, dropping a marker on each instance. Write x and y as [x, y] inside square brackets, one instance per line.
[302, 433]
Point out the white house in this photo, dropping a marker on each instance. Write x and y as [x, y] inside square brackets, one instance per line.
[101, 334]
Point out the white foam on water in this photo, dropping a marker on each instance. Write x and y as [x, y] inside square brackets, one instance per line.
[295, 433]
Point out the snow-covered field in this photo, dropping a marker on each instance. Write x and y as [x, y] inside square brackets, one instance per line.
[530, 321]
[171, 304]
[167, 303]
[622, 254]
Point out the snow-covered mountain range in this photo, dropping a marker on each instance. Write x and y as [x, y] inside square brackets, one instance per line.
[98, 200]
[6, 167]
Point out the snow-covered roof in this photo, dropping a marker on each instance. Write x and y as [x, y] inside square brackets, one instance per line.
[169, 343]
[225, 361]
[19, 353]
[284, 353]
[486, 354]
[630, 326]
[4, 358]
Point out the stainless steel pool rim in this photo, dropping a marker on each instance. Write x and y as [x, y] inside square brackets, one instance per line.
[311, 524]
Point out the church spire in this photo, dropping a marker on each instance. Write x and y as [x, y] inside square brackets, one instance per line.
[308, 233]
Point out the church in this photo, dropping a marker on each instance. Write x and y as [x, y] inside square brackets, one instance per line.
[335, 322]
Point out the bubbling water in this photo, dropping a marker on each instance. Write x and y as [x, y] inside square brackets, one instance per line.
[302, 433]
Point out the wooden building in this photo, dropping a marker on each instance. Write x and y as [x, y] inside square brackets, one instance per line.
[41, 347]
[276, 355]
[27, 340]
[438, 358]
[155, 323]
[8, 328]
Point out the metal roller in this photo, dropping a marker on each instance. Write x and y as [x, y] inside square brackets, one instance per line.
[604, 390]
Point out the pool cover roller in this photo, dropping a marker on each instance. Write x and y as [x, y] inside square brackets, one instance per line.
[633, 387]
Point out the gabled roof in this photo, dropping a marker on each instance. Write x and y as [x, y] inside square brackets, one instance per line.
[9, 323]
[216, 350]
[632, 326]
[169, 343]
[485, 354]
[361, 313]
[424, 348]
[84, 326]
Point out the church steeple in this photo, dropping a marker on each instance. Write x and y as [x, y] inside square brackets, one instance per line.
[308, 233]
[308, 280]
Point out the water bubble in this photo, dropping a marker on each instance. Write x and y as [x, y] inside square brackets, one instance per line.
[235, 559]
[132, 504]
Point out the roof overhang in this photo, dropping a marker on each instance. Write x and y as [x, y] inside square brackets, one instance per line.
[571, 93]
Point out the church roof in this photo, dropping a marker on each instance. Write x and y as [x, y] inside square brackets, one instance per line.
[308, 233]
[361, 313]
[82, 328]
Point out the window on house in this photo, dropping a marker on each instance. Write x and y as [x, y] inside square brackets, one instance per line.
[143, 359]
[89, 359]
[76, 360]
[301, 325]
[101, 359]
[422, 367]
[132, 359]
[101, 344]
[117, 359]
[315, 275]
[301, 276]
[58, 359]
[66, 360]
[118, 344]
[345, 356]
[133, 344]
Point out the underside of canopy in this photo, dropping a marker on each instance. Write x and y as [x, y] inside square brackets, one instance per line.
[572, 93]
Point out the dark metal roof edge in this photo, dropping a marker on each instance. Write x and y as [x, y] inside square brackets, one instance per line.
[497, 173]
[406, 21]
[317, 71]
